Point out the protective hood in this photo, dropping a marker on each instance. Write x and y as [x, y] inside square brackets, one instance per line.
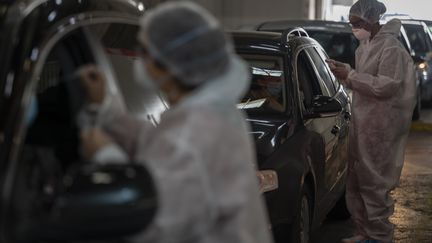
[223, 90]
[391, 28]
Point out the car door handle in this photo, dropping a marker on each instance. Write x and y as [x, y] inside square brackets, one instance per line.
[335, 130]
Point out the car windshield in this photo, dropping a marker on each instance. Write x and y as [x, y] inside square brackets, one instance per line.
[266, 93]
[339, 46]
[417, 38]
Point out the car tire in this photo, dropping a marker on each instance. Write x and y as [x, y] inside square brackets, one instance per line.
[301, 228]
[340, 210]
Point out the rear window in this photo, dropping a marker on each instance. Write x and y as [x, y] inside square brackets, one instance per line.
[339, 46]
[267, 90]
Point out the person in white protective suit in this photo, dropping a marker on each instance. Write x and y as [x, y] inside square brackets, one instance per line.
[200, 155]
[384, 89]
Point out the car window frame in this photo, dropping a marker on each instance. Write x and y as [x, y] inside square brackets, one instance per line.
[324, 56]
[321, 81]
[18, 130]
[303, 109]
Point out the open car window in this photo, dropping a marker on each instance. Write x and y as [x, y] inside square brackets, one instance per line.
[119, 44]
[267, 90]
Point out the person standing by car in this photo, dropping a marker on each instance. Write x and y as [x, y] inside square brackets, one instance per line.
[384, 89]
[201, 156]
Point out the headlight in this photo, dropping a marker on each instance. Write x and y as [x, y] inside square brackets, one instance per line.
[268, 180]
[423, 65]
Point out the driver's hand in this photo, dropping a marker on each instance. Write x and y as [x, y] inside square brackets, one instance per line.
[94, 82]
[92, 140]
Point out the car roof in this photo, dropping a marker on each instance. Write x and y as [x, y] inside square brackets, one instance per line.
[307, 25]
[265, 41]
[412, 22]
[268, 42]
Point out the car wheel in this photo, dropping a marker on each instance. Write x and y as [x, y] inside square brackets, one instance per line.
[301, 229]
[340, 210]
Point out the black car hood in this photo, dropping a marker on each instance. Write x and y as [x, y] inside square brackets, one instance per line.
[268, 134]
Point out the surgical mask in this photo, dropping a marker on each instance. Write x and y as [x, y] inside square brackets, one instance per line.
[32, 111]
[361, 34]
[274, 89]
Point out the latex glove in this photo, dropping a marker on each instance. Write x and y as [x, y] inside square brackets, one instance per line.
[339, 69]
[94, 82]
[92, 140]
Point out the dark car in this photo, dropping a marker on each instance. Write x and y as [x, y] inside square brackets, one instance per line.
[48, 192]
[51, 194]
[339, 42]
[428, 23]
[299, 116]
[335, 37]
[420, 39]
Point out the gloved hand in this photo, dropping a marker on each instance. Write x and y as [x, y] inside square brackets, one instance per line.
[339, 69]
[94, 82]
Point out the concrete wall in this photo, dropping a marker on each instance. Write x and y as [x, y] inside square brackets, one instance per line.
[243, 14]
[235, 14]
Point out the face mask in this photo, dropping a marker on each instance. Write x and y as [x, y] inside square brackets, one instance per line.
[274, 89]
[361, 34]
[32, 111]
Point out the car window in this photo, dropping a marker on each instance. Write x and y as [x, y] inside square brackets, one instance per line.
[307, 81]
[324, 57]
[326, 81]
[417, 38]
[119, 43]
[267, 90]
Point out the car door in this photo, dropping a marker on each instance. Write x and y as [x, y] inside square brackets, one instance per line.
[36, 154]
[312, 85]
[342, 119]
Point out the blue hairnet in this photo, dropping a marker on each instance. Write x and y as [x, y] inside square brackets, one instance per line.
[368, 10]
[187, 40]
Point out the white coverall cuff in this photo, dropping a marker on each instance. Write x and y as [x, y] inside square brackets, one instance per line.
[349, 78]
[111, 153]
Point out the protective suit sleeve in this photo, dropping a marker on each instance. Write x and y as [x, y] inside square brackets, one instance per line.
[181, 179]
[391, 70]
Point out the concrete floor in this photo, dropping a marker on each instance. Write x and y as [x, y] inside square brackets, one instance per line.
[413, 212]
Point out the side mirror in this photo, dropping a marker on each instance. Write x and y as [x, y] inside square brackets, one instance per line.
[97, 203]
[324, 106]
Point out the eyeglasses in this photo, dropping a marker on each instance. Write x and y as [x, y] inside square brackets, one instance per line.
[357, 24]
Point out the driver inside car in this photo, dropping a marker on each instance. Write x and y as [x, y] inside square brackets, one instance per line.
[270, 89]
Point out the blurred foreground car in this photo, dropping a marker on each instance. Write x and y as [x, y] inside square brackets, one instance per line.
[49, 194]
[299, 116]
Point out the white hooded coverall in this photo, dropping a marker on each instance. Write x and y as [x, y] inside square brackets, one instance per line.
[203, 163]
[384, 90]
